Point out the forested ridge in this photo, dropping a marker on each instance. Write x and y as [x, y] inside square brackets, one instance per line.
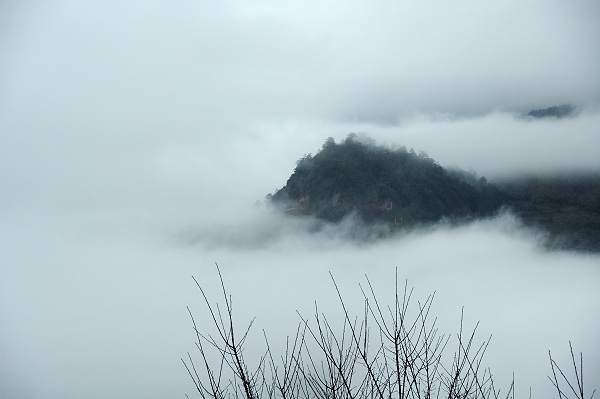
[403, 189]
[383, 184]
[566, 207]
[557, 111]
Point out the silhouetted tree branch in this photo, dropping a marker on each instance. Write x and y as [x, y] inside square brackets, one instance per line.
[382, 354]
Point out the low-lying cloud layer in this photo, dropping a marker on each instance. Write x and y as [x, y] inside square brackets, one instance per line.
[96, 307]
[139, 140]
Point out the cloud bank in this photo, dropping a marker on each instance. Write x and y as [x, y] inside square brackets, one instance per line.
[137, 137]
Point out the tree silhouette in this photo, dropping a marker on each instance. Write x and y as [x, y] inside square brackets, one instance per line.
[382, 354]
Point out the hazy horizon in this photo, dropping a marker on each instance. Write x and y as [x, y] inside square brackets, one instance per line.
[138, 141]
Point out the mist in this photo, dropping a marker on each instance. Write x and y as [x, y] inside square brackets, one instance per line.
[138, 142]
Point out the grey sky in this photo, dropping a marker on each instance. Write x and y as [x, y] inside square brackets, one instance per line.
[145, 83]
[125, 125]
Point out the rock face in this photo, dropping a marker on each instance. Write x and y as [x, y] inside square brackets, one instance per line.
[381, 184]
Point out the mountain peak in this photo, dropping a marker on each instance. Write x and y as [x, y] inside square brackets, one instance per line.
[381, 184]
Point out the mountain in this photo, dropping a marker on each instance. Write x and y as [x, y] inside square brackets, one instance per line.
[402, 189]
[567, 207]
[381, 184]
[558, 111]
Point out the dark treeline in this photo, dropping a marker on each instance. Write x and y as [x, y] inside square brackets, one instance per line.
[566, 207]
[402, 189]
[557, 111]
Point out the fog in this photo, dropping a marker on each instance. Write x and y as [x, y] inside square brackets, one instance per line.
[138, 141]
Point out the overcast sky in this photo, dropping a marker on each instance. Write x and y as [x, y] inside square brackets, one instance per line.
[137, 136]
[119, 96]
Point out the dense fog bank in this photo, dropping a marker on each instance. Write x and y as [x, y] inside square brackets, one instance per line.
[138, 142]
[96, 306]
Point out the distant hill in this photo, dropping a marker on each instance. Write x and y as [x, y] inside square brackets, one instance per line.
[381, 184]
[566, 207]
[403, 189]
[559, 111]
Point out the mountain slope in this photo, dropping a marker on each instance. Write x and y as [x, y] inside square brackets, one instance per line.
[402, 189]
[566, 207]
[558, 111]
[398, 186]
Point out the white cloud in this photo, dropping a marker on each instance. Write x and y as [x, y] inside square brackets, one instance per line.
[102, 297]
[124, 124]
